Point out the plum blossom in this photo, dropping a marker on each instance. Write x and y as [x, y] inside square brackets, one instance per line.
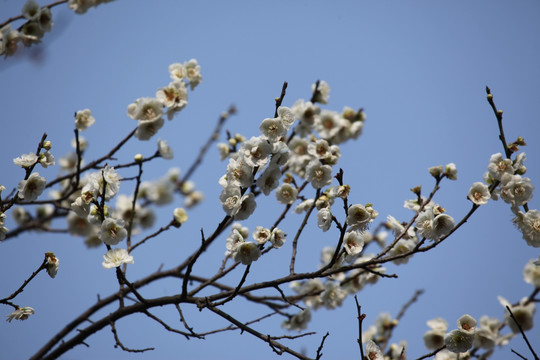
[26, 160]
[479, 193]
[246, 252]
[317, 174]
[529, 225]
[84, 119]
[286, 194]
[20, 314]
[353, 242]
[299, 321]
[52, 264]
[116, 257]
[30, 189]
[112, 231]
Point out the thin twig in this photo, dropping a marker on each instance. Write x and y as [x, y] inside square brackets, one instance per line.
[522, 333]
[122, 346]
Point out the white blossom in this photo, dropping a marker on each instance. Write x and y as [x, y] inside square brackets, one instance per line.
[261, 235]
[239, 173]
[52, 264]
[498, 166]
[112, 231]
[317, 174]
[458, 341]
[246, 253]
[529, 225]
[165, 150]
[116, 257]
[434, 338]
[286, 194]
[277, 238]
[193, 73]
[373, 352]
[84, 119]
[324, 219]
[323, 92]
[146, 110]
[333, 295]
[358, 217]
[26, 160]
[46, 159]
[517, 190]
[235, 238]
[479, 193]
[20, 314]
[147, 129]
[523, 312]
[174, 96]
[286, 115]
[299, 321]
[30, 189]
[531, 273]
[353, 242]
[269, 179]
[180, 215]
[177, 71]
[273, 129]
[451, 171]
[256, 151]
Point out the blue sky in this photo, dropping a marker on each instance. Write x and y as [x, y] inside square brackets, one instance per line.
[418, 68]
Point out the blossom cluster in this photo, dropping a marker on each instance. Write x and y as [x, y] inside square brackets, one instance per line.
[169, 99]
[38, 22]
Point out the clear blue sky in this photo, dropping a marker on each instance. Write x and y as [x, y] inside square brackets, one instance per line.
[418, 68]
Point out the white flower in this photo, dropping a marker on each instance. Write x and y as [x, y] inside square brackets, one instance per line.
[479, 193]
[160, 192]
[434, 227]
[116, 257]
[235, 238]
[95, 183]
[174, 96]
[358, 217]
[224, 150]
[164, 150]
[112, 231]
[277, 238]
[434, 338]
[177, 71]
[269, 180]
[353, 242]
[373, 352]
[52, 264]
[333, 295]
[180, 215]
[147, 129]
[529, 225]
[324, 219]
[286, 116]
[280, 154]
[256, 151]
[84, 119]
[451, 171]
[46, 159]
[273, 129]
[26, 160]
[403, 246]
[328, 124]
[146, 110]
[487, 334]
[499, 166]
[458, 341]
[323, 93]
[20, 314]
[30, 189]
[193, 73]
[261, 235]
[247, 207]
[239, 173]
[517, 190]
[246, 253]
[31, 10]
[286, 194]
[193, 198]
[299, 321]
[531, 273]
[317, 174]
[303, 206]
[81, 6]
[79, 225]
[467, 323]
[436, 171]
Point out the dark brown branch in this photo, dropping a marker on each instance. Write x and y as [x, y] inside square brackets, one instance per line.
[499, 116]
[122, 346]
[522, 333]
[360, 317]
[431, 353]
[279, 100]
